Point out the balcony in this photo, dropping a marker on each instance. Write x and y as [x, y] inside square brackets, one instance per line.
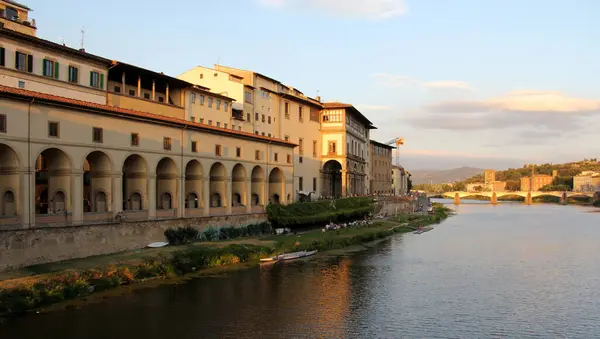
[237, 115]
[11, 20]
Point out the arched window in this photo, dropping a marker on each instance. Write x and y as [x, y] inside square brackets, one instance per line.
[135, 203]
[215, 200]
[165, 201]
[237, 199]
[8, 202]
[100, 202]
[255, 199]
[192, 200]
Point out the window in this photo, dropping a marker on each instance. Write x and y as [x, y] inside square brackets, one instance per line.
[167, 144]
[263, 118]
[193, 98]
[21, 84]
[147, 96]
[333, 116]
[2, 56]
[289, 158]
[73, 74]
[248, 96]
[226, 106]
[301, 146]
[135, 139]
[194, 146]
[301, 183]
[24, 62]
[286, 138]
[192, 119]
[96, 80]
[239, 128]
[247, 116]
[256, 132]
[201, 120]
[332, 148]
[210, 102]
[201, 76]
[218, 103]
[218, 150]
[269, 119]
[97, 134]
[3, 123]
[117, 89]
[300, 115]
[300, 159]
[224, 125]
[314, 184]
[132, 92]
[256, 116]
[238, 152]
[257, 155]
[218, 124]
[201, 100]
[314, 148]
[209, 122]
[269, 135]
[276, 157]
[287, 109]
[53, 129]
[161, 99]
[263, 134]
[50, 68]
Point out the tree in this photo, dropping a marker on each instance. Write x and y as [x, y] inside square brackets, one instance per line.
[478, 188]
[513, 185]
[409, 184]
[460, 186]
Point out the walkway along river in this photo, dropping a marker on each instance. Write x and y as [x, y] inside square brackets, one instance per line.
[490, 271]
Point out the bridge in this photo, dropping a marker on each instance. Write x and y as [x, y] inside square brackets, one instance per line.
[527, 195]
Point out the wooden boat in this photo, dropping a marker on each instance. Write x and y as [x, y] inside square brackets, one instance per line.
[158, 244]
[423, 230]
[289, 256]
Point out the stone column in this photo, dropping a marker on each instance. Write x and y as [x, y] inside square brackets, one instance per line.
[181, 197]
[248, 195]
[228, 196]
[77, 201]
[26, 200]
[206, 195]
[151, 196]
[117, 193]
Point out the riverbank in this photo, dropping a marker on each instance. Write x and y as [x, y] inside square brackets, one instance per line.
[43, 285]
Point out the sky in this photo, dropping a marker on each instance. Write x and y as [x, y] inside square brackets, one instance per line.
[482, 83]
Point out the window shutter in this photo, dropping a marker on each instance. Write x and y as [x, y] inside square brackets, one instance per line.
[2, 56]
[262, 155]
[101, 81]
[91, 79]
[44, 70]
[16, 60]
[56, 68]
[225, 151]
[30, 63]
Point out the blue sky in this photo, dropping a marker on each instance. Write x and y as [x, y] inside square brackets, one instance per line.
[488, 83]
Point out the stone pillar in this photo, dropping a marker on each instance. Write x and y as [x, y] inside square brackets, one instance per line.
[153, 90]
[206, 197]
[167, 95]
[150, 198]
[528, 199]
[123, 83]
[456, 199]
[139, 88]
[563, 198]
[26, 199]
[117, 193]
[77, 201]
[181, 197]
[228, 196]
[344, 183]
[248, 195]
[494, 199]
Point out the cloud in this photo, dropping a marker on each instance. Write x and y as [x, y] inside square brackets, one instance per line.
[552, 110]
[391, 80]
[373, 107]
[372, 9]
[460, 85]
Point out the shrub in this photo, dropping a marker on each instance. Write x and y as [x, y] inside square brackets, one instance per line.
[319, 212]
[182, 235]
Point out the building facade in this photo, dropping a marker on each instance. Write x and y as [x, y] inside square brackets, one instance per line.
[535, 182]
[587, 181]
[399, 180]
[380, 166]
[15, 16]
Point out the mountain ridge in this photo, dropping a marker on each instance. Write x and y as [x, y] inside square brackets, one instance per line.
[443, 176]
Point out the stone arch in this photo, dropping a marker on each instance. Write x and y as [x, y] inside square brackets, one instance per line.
[238, 186]
[258, 186]
[194, 178]
[217, 185]
[135, 183]
[332, 178]
[97, 167]
[53, 170]
[166, 184]
[276, 185]
[9, 180]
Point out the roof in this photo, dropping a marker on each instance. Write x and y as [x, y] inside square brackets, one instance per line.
[306, 100]
[206, 90]
[52, 45]
[14, 3]
[336, 104]
[122, 112]
[119, 67]
[382, 144]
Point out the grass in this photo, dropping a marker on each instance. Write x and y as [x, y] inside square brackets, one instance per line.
[42, 285]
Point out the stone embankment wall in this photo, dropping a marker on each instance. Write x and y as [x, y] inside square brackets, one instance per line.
[43, 245]
[390, 208]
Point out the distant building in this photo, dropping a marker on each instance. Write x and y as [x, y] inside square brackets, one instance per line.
[535, 182]
[587, 181]
[489, 176]
[381, 168]
[399, 180]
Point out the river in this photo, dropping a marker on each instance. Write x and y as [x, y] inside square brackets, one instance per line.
[508, 270]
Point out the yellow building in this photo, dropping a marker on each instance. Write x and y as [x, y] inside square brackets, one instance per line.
[15, 16]
[380, 168]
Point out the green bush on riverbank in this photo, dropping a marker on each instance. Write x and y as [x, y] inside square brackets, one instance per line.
[319, 212]
[184, 235]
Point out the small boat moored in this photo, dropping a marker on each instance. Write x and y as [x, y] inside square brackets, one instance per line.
[423, 230]
[289, 256]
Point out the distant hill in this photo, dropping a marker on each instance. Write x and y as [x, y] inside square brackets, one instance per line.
[443, 176]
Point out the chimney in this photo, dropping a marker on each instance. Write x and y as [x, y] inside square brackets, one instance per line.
[82, 50]
[318, 98]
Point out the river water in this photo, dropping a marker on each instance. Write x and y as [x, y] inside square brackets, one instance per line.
[509, 270]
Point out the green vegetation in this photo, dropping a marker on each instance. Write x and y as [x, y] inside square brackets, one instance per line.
[184, 235]
[319, 212]
[27, 293]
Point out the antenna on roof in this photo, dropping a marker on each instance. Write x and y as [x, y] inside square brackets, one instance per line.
[219, 60]
[82, 36]
[62, 40]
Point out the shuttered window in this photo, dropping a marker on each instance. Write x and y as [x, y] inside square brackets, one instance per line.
[2, 57]
[96, 80]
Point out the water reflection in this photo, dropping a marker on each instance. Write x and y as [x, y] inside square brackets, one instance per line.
[491, 271]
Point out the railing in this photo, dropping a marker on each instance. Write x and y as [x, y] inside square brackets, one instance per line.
[16, 19]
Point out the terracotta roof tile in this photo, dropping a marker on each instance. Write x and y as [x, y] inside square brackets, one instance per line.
[134, 113]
